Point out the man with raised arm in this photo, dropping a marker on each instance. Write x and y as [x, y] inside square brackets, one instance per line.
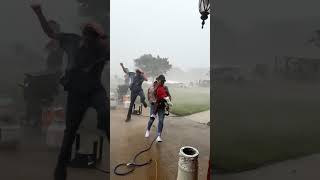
[136, 90]
[87, 56]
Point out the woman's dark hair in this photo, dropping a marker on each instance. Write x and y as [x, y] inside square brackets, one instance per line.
[89, 31]
[95, 29]
[161, 78]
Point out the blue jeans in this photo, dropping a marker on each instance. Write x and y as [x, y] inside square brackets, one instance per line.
[77, 105]
[134, 96]
[161, 115]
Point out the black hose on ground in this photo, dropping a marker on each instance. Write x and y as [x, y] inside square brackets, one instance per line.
[132, 165]
[101, 170]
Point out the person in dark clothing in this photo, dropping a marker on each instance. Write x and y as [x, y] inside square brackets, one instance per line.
[136, 90]
[123, 89]
[54, 61]
[87, 56]
[55, 52]
[129, 75]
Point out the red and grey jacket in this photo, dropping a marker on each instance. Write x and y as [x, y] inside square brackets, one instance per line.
[161, 93]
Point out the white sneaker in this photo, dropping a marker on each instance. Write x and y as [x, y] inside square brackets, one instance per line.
[159, 139]
[153, 116]
[147, 134]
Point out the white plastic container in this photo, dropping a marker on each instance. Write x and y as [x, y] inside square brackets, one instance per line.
[55, 134]
[126, 104]
[126, 101]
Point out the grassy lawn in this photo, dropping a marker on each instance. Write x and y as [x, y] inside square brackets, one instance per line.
[185, 101]
[188, 101]
[259, 124]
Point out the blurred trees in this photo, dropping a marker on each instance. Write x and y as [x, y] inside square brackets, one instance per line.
[153, 66]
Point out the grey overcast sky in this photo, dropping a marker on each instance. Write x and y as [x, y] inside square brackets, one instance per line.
[235, 10]
[21, 25]
[168, 28]
[251, 31]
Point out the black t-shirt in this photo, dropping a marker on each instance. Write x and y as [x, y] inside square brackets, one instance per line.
[83, 59]
[136, 84]
[129, 78]
[55, 60]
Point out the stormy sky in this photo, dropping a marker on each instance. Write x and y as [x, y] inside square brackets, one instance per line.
[249, 31]
[166, 28]
[20, 24]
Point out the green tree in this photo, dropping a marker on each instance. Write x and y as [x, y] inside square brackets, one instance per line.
[153, 66]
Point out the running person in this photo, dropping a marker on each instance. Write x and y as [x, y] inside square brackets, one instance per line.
[129, 75]
[152, 101]
[54, 60]
[160, 93]
[167, 97]
[87, 56]
[136, 90]
[128, 78]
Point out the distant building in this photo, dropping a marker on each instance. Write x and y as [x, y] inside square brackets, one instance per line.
[227, 73]
[204, 83]
[297, 68]
[260, 72]
[176, 84]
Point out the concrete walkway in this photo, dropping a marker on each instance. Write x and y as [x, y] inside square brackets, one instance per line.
[202, 117]
[297, 169]
[128, 138]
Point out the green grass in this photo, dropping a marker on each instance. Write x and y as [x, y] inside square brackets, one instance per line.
[185, 101]
[258, 124]
[189, 101]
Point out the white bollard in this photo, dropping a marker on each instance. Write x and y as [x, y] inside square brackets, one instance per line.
[188, 163]
[126, 104]
[55, 132]
[126, 101]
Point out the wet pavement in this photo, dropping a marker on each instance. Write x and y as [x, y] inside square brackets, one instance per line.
[201, 117]
[295, 169]
[128, 138]
[31, 159]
